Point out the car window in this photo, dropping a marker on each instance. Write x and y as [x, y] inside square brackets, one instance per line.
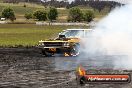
[73, 33]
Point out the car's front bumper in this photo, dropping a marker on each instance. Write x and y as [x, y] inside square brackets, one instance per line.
[57, 50]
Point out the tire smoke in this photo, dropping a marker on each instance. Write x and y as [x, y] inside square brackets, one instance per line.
[113, 36]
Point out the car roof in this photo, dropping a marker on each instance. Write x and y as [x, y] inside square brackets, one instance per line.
[80, 29]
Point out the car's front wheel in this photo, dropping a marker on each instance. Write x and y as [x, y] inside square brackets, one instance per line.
[47, 54]
[75, 51]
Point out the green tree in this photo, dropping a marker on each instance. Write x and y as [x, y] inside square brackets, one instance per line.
[8, 13]
[28, 16]
[52, 14]
[75, 14]
[41, 15]
[89, 15]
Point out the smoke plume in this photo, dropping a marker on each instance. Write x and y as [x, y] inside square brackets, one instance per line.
[113, 36]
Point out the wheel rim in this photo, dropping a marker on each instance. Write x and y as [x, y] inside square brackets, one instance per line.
[75, 51]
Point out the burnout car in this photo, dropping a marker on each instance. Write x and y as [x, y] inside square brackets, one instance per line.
[67, 43]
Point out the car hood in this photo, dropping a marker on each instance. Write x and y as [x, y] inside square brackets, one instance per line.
[66, 40]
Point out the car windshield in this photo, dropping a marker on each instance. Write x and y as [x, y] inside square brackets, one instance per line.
[73, 33]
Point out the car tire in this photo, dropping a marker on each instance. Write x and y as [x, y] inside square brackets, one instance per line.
[46, 53]
[75, 51]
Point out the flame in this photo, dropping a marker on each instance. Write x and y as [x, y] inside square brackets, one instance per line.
[81, 71]
[66, 55]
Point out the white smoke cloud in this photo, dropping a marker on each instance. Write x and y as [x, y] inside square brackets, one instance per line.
[113, 36]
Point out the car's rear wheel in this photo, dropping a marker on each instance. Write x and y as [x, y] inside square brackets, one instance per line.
[75, 51]
[47, 54]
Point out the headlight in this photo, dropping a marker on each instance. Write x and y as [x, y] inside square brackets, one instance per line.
[66, 44]
[41, 44]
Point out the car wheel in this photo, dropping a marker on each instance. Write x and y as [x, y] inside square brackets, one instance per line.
[46, 53]
[75, 50]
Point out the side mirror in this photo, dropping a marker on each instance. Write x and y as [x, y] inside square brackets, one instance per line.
[62, 36]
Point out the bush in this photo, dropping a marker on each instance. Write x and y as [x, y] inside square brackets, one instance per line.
[12, 18]
[8, 13]
[28, 16]
[24, 6]
[75, 14]
[41, 15]
[89, 15]
[52, 14]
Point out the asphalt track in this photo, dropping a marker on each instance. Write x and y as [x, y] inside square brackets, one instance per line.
[28, 68]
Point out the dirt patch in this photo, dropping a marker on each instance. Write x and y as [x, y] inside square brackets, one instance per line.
[28, 68]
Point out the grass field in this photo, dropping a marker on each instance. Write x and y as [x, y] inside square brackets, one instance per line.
[20, 10]
[28, 34]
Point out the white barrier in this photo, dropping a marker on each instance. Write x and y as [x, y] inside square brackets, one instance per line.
[3, 19]
[3, 22]
[66, 24]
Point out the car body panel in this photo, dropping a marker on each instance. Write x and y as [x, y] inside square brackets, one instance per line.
[66, 42]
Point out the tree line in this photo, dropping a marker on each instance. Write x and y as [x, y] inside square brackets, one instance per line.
[75, 15]
[95, 4]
